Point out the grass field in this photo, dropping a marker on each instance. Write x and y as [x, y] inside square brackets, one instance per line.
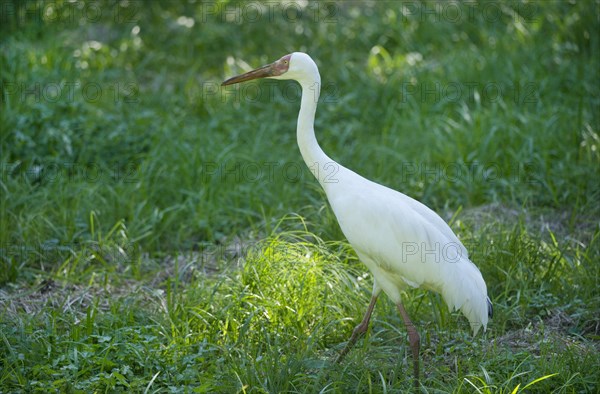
[160, 233]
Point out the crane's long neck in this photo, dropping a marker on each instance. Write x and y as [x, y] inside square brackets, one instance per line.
[314, 157]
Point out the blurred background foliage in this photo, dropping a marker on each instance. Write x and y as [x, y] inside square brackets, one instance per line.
[115, 108]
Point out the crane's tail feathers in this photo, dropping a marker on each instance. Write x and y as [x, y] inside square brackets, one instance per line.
[467, 292]
[490, 308]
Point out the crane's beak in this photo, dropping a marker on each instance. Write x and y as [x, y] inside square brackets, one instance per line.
[261, 72]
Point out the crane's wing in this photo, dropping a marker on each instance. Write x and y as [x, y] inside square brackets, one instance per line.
[404, 243]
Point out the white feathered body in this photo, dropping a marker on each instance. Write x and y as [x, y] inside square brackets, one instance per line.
[405, 244]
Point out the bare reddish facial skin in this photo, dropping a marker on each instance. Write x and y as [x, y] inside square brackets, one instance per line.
[281, 65]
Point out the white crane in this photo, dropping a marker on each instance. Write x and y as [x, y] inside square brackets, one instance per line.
[402, 242]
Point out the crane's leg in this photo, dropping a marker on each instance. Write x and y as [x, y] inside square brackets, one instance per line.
[358, 330]
[413, 339]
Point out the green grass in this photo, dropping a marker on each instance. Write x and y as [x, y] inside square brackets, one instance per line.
[161, 234]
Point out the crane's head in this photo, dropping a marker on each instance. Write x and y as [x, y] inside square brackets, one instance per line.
[297, 65]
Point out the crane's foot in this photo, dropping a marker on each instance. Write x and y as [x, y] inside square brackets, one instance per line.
[358, 330]
[414, 341]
